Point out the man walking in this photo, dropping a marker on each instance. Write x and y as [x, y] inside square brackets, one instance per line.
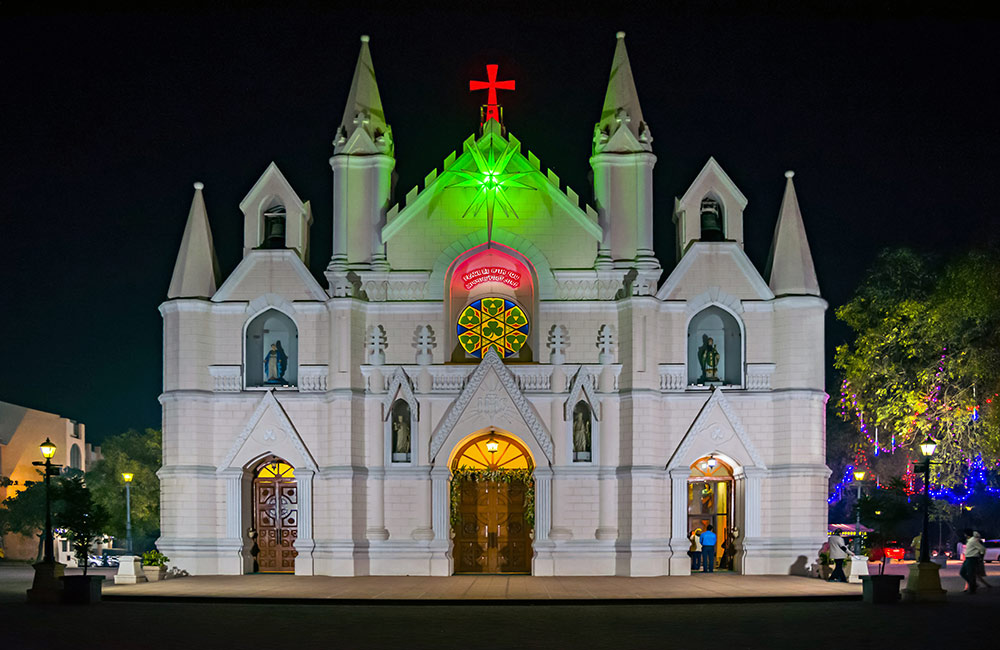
[708, 550]
[975, 550]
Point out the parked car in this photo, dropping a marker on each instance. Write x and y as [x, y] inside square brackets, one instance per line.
[992, 550]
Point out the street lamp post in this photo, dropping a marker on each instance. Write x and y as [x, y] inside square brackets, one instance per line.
[128, 510]
[924, 581]
[45, 587]
[859, 476]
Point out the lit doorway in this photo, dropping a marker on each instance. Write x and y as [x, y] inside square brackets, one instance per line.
[710, 502]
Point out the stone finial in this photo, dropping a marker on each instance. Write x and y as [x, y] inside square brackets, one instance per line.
[425, 342]
[375, 344]
[606, 344]
[558, 341]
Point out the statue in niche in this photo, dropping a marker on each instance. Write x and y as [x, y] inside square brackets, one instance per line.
[708, 359]
[275, 364]
[400, 437]
[581, 434]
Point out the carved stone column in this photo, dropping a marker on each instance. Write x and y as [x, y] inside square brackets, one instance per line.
[680, 562]
[376, 505]
[440, 522]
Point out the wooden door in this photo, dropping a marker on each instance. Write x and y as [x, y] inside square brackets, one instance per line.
[492, 536]
[276, 515]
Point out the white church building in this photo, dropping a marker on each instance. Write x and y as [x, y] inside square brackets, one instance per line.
[494, 376]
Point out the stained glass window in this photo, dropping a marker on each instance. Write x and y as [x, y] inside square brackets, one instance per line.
[495, 323]
[276, 469]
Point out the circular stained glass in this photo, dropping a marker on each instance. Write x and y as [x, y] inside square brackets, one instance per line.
[495, 323]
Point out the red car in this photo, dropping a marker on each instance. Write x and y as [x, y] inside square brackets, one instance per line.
[894, 551]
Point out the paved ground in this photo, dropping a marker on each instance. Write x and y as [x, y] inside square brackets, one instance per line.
[963, 621]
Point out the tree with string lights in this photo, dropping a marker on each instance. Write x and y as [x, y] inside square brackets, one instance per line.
[925, 360]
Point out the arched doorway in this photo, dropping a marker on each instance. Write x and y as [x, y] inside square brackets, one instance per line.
[710, 503]
[492, 505]
[275, 516]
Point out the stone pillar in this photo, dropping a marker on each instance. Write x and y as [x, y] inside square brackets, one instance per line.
[304, 542]
[750, 563]
[543, 563]
[680, 561]
[425, 529]
[607, 521]
[376, 504]
[232, 563]
[440, 522]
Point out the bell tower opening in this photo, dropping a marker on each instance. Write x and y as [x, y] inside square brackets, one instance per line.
[492, 505]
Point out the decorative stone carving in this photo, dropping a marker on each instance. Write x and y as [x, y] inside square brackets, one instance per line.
[376, 343]
[424, 341]
[759, 376]
[558, 341]
[672, 377]
[606, 344]
[312, 379]
[226, 379]
[582, 387]
[716, 434]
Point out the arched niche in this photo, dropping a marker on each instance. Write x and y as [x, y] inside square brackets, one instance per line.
[715, 348]
[274, 220]
[271, 350]
[582, 431]
[75, 457]
[400, 429]
[713, 218]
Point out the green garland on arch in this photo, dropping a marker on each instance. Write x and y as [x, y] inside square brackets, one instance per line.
[500, 476]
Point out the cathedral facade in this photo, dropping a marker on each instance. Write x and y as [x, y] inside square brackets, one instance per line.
[493, 376]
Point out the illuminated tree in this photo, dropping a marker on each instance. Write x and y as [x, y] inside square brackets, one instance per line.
[925, 360]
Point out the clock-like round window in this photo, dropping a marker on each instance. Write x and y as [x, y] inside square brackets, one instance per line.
[495, 323]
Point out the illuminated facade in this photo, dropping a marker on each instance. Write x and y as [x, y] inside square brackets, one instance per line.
[493, 375]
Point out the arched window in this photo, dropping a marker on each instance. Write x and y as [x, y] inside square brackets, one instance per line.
[400, 426]
[715, 348]
[583, 423]
[274, 227]
[74, 457]
[272, 350]
[712, 222]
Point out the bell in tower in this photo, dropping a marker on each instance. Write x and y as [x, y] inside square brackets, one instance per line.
[274, 227]
[711, 220]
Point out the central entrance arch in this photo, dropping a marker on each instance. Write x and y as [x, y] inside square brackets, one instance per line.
[493, 505]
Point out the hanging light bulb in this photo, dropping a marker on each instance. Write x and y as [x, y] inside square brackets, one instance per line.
[712, 462]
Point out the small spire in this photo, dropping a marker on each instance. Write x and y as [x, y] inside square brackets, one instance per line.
[790, 267]
[621, 102]
[196, 272]
[364, 106]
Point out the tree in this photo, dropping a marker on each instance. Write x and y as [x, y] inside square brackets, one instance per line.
[76, 513]
[24, 513]
[139, 453]
[925, 360]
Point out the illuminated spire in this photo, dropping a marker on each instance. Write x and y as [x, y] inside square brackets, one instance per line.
[621, 109]
[363, 112]
[790, 267]
[196, 272]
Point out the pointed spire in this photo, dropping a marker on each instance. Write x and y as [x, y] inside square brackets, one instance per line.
[621, 106]
[790, 267]
[364, 108]
[196, 272]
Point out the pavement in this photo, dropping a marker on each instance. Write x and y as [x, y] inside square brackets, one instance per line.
[380, 622]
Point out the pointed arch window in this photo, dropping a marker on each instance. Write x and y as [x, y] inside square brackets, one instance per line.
[272, 350]
[712, 220]
[274, 227]
[75, 459]
[715, 349]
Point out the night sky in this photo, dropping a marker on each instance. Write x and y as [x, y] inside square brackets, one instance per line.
[889, 120]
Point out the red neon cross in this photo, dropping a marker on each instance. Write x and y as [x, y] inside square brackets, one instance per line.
[492, 85]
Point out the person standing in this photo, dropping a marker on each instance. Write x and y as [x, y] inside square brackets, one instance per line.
[694, 551]
[708, 550]
[838, 553]
[974, 552]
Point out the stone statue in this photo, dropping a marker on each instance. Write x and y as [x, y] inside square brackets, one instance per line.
[707, 498]
[581, 432]
[708, 358]
[401, 436]
[275, 364]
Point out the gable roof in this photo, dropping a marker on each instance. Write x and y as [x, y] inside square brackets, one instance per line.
[270, 271]
[717, 400]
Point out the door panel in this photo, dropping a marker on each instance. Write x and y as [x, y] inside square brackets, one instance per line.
[276, 520]
[492, 536]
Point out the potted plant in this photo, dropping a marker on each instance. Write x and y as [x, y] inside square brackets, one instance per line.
[154, 565]
[82, 521]
[880, 588]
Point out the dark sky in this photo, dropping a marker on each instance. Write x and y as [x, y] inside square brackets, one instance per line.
[888, 118]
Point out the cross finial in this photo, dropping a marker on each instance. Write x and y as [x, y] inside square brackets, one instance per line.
[491, 85]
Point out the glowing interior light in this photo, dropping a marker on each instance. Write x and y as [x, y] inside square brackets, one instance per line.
[712, 462]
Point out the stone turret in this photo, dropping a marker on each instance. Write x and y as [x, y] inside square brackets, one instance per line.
[196, 272]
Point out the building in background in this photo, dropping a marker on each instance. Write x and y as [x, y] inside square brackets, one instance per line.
[22, 430]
